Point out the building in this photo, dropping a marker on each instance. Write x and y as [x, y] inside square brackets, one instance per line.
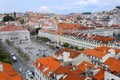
[85, 40]
[48, 68]
[14, 34]
[100, 63]
[70, 56]
[7, 72]
[113, 70]
[44, 67]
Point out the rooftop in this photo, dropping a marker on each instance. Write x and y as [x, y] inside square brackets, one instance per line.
[11, 28]
[94, 53]
[9, 73]
[73, 53]
[99, 75]
[114, 64]
[85, 65]
[47, 64]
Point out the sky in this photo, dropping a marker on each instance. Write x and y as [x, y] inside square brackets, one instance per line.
[57, 6]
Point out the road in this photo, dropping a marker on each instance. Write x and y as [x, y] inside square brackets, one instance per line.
[19, 63]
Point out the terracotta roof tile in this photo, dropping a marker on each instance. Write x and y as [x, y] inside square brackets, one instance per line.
[60, 70]
[85, 65]
[73, 53]
[47, 64]
[77, 71]
[69, 26]
[103, 38]
[113, 64]
[94, 53]
[99, 75]
[116, 50]
[103, 49]
[71, 76]
[9, 73]
[11, 28]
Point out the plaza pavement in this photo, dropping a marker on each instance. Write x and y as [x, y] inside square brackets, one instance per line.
[35, 50]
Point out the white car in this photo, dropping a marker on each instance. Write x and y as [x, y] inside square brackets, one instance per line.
[12, 54]
[14, 58]
[29, 73]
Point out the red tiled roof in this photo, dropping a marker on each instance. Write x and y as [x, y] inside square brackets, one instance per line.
[71, 76]
[103, 49]
[73, 53]
[103, 38]
[60, 70]
[116, 50]
[47, 62]
[11, 28]
[9, 73]
[94, 53]
[69, 26]
[45, 25]
[99, 75]
[85, 65]
[77, 71]
[114, 64]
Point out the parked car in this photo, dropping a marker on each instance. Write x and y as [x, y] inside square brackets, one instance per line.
[12, 54]
[30, 74]
[14, 58]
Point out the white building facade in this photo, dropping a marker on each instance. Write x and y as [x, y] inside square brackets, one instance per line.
[14, 34]
[74, 41]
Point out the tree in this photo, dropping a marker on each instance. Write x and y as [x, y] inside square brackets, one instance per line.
[45, 39]
[8, 18]
[81, 49]
[4, 56]
[76, 47]
[65, 44]
[6, 60]
[14, 14]
[22, 21]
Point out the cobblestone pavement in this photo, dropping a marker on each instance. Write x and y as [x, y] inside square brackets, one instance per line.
[35, 50]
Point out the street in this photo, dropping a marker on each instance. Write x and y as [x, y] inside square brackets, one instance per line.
[19, 63]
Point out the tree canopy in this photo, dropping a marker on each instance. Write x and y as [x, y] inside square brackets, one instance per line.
[22, 21]
[65, 44]
[4, 56]
[8, 18]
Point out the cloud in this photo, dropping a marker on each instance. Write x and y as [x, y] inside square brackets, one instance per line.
[44, 9]
[86, 2]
